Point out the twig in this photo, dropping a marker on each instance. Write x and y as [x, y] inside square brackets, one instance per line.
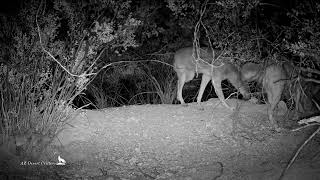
[310, 70]
[219, 103]
[303, 127]
[146, 174]
[311, 80]
[119, 62]
[315, 119]
[298, 152]
[160, 54]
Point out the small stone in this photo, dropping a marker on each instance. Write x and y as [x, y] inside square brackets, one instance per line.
[120, 161]
[133, 161]
[193, 170]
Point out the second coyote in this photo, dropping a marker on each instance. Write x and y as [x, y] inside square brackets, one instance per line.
[273, 80]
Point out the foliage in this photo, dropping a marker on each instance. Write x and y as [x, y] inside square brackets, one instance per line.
[54, 49]
[303, 36]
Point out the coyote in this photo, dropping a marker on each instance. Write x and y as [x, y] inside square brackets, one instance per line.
[186, 66]
[273, 80]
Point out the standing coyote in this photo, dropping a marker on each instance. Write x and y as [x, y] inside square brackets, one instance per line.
[273, 79]
[186, 66]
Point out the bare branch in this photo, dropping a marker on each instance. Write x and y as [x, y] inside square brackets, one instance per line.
[311, 80]
[310, 70]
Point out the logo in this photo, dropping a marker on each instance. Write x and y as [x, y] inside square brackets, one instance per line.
[61, 161]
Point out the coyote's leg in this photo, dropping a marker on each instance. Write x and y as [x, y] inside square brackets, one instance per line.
[204, 82]
[218, 89]
[181, 81]
[183, 77]
[298, 103]
[274, 96]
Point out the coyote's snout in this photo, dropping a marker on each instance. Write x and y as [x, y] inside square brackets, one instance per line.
[186, 66]
[273, 80]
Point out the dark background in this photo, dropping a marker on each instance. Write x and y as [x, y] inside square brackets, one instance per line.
[248, 30]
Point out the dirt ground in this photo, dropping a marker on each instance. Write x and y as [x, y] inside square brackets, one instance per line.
[183, 142]
[193, 142]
